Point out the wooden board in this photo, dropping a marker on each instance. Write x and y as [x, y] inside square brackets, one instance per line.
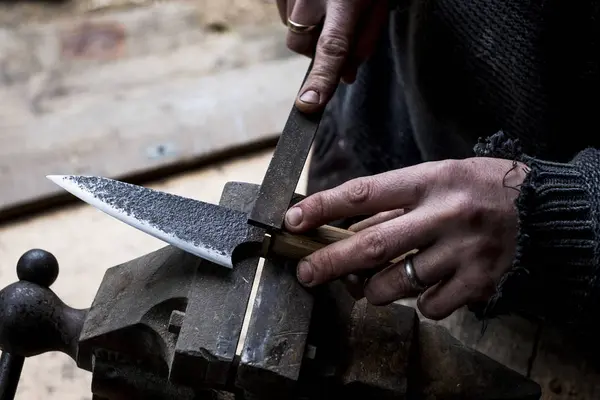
[123, 93]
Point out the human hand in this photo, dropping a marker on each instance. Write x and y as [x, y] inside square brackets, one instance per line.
[346, 38]
[459, 214]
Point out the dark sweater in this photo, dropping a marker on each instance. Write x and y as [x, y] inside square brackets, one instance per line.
[519, 77]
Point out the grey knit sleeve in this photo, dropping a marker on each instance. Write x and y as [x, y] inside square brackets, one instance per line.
[556, 270]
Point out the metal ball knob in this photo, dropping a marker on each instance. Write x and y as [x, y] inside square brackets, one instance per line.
[33, 320]
[38, 266]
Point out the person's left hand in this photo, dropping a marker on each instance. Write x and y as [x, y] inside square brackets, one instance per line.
[459, 214]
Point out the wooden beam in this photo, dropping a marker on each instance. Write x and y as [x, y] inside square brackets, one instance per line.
[126, 113]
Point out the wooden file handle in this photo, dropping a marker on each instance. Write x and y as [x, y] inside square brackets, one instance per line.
[298, 246]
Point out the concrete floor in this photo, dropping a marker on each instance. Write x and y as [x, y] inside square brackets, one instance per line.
[86, 242]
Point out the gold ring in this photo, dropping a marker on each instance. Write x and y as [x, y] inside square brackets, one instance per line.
[299, 28]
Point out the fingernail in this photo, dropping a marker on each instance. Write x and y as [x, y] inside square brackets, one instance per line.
[305, 272]
[310, 97]
[294, 216]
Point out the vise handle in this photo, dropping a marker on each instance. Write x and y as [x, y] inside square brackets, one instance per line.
[33, 320]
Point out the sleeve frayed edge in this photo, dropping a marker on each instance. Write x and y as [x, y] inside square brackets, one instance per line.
[500, 145]
[494, 306]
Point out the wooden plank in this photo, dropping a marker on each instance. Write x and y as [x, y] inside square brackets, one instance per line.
[130, 104]
[36, 52]
[146, 127]
[232, 12]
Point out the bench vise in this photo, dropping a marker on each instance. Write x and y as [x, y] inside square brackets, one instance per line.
[169, 325]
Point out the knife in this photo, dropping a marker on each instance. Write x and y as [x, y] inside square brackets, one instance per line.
[212, 232]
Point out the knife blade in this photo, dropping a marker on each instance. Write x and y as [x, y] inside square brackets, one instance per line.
[212, 232]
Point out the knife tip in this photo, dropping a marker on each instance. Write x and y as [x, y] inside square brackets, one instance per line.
[56, 178]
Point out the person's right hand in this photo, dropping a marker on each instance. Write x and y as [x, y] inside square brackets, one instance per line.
[345, 36]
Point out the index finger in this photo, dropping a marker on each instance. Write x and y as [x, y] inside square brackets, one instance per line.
[361, 196]
[333, 48]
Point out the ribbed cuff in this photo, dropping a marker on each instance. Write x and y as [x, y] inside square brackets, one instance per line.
[554, 259]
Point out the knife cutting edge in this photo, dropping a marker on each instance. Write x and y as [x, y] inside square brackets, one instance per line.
[212, 232]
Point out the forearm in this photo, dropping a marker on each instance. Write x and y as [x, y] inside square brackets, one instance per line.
[555, 274]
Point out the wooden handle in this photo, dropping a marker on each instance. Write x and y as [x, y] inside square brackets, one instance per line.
[286, 244]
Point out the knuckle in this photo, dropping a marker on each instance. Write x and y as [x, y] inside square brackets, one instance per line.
[461, 208]
[464, 205]
[323, 266]
[448, 170]
[333, 45]
[418, 190]
[315, 207]
[415, 184]
[446, 173]
[359, 191]
[322, 77]
[374, 246]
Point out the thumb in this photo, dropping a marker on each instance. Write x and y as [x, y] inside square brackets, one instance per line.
[332, 51]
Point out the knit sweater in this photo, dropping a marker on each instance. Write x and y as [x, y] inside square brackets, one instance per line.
[514, 79]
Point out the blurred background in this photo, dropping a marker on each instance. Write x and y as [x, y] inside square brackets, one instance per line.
[181, 96]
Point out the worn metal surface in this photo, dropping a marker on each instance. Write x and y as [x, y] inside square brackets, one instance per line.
[271, 358]
[329, 329]
[362, 351]
[275, 344]
[218, 298]
[129, 316]
[448, 370]
[381, 350]
[285, 168]
[125, 381]
[217, 234]
[33, 320]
